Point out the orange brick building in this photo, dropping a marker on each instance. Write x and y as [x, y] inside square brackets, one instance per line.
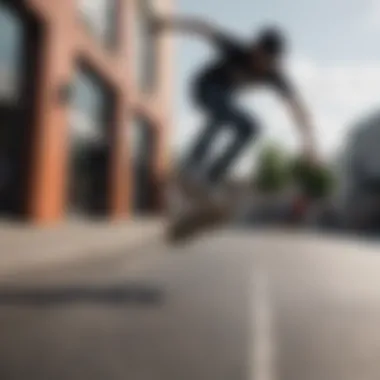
[79, 79]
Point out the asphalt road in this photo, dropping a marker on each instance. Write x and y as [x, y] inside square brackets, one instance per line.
[234, 305]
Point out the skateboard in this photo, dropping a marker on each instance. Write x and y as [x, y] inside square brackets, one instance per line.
[202, 214]
[197, 220]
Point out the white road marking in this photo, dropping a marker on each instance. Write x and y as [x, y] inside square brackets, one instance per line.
[262, 348]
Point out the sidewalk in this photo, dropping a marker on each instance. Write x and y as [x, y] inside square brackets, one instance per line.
[24, 248]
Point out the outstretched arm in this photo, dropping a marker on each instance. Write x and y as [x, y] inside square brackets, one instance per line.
[303, 122]
[298, 112]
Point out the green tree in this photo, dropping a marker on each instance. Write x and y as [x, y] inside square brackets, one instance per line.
[272, 173]
[317, 181]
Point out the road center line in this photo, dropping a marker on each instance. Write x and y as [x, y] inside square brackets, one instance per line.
[262, 348]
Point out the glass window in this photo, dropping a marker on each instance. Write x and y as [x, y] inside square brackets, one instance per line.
[10, 54]
[145, 43]
[88, 110]
[142, 145]
[90, 123]
[134, 135]
[100, 18]
[141, 140]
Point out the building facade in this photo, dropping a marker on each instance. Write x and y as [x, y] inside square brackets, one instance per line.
[85, 108]
[359, 191]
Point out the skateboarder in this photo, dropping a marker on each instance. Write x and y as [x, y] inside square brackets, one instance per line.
[238, 65]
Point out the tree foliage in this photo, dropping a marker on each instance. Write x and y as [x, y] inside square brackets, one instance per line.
[316, 181]
[273, 170]
[277, 169]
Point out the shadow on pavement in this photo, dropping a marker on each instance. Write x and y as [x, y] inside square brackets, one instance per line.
[117, 295]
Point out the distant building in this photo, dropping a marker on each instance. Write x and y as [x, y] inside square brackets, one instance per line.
[85, 108]
[360, 175]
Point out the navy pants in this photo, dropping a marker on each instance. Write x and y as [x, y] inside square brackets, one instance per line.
[217, 103]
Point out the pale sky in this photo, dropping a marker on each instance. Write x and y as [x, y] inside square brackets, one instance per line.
[334, 60]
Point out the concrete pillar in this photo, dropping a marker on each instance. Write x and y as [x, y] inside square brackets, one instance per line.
[48, 184]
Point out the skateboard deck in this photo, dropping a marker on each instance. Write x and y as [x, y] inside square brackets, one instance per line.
[197, 210]
[196, 221]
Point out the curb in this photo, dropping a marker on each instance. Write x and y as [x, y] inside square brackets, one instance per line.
[70, 254]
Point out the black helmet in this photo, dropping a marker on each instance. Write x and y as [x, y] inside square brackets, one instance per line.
[272, 40]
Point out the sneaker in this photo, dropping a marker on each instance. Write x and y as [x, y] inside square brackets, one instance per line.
[196, 221]
[184, 194]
